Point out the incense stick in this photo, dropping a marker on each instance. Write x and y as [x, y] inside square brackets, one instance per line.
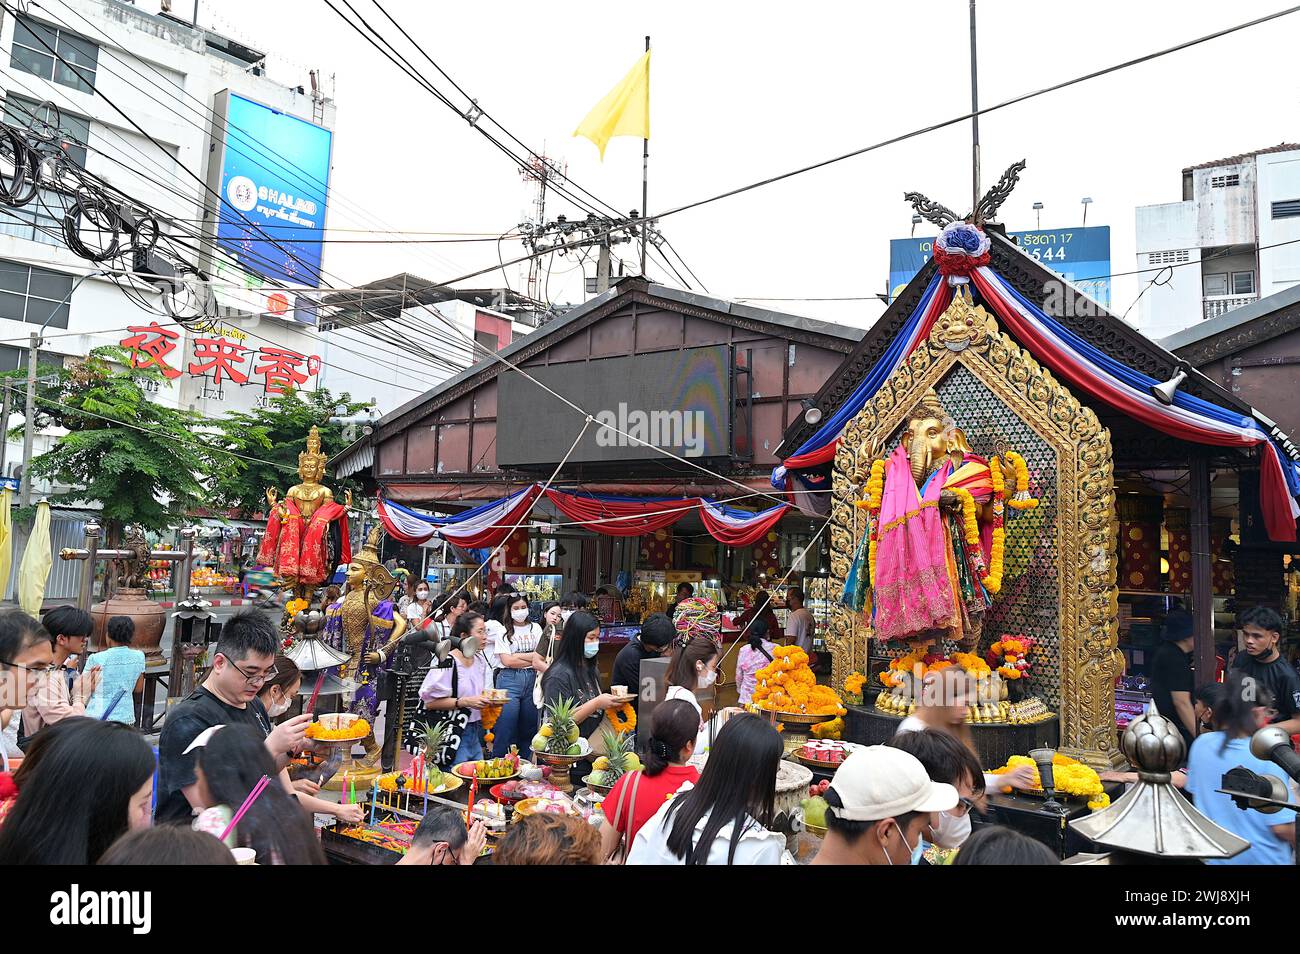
[248, 803]
[320, 681]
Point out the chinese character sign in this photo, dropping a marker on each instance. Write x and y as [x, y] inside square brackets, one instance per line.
[219, 360]
[149, 345]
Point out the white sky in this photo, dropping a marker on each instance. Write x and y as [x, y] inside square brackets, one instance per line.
[743, 91]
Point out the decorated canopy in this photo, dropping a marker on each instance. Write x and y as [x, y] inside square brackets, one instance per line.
[962, 255]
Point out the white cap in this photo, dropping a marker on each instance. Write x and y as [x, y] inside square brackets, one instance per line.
[879, 782]
[202, 739]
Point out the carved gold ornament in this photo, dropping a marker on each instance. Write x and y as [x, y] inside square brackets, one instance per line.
[1086, 524]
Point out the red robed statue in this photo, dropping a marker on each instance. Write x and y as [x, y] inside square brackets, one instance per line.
[298, 544]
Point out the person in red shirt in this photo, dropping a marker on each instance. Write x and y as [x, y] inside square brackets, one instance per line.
[638, 795]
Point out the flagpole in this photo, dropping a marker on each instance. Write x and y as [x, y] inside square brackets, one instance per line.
[645, 168]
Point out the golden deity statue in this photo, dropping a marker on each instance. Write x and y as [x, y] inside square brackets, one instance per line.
[363, 624]
[301, 544]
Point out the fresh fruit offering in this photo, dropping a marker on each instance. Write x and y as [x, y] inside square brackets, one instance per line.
[617, 760]
[818, 788]
[559, 734]
[398, 782]
[814, 811]
[486, 770]
[786, 684]
[826, 750]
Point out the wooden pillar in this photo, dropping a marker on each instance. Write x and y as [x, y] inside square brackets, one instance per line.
[1202, 568]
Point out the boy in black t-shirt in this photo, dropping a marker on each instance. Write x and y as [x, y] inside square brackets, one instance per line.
[1262, 661]
[243, 661]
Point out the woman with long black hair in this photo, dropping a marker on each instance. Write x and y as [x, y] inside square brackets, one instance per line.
[638, 795]
[94, 782]
[573, 676]
[722, 820]
[230, 765]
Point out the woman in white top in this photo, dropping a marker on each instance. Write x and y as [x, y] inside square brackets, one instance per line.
[721, 820]
[692, 667]
[521, 666]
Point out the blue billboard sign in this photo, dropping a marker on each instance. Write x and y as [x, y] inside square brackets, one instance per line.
[274, 186]
[1080, 256]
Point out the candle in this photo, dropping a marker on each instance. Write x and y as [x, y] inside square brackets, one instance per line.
[374, 798]
[469, 813]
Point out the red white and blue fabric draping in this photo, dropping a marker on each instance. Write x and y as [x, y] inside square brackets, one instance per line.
[1078, 364]
[489, 524]
[484, 526]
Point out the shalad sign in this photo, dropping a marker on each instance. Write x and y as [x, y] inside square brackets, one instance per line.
[220, 357]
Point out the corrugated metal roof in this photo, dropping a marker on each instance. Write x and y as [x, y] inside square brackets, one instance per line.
[1232, 319]
[1239, 159]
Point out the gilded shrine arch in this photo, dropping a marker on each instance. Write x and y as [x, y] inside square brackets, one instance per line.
[1059, 579]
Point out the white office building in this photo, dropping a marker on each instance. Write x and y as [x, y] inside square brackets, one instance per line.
[1234, 237]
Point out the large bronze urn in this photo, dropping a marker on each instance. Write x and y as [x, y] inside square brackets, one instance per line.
[149, 617]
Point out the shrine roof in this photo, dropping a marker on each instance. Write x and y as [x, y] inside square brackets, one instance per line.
[1035, 282]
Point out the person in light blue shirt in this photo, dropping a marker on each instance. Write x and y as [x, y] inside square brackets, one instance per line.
[1236, 717]
[121, 673]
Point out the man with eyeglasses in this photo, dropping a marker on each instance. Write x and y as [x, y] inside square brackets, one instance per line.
[441, 839]
[242, 662]
[62, 692]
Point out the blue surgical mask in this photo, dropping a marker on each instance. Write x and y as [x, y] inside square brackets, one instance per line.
[590, 650]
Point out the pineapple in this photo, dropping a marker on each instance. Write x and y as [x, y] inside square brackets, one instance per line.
[430, 740]
[615, 761]
[564, 731]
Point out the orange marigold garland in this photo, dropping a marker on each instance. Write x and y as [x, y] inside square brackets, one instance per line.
[1008, 656]
[358, 729]
[623, 718]
[786, 684]
[489, 715]
[993, 581]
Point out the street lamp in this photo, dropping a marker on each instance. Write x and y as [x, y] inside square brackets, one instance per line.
[1038, 210]
[1087, 201]
[916, 220]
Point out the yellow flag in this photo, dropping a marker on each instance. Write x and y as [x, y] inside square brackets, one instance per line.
[625, 110]
[34, 572]
[6, 539]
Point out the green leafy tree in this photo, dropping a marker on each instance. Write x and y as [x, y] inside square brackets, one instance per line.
[140, 460]
[274, 435]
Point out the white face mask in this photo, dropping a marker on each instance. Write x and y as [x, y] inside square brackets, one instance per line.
[421, 594]
[565, 614]
[952, 830]
[279, 708]
[707, 678]
[519, 615]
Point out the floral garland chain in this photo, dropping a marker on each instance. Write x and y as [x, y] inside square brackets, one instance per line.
[1020, 500]
[623, 718]
[993, 581]
[969, 523]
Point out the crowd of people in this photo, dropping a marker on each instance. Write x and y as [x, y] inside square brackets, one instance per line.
[90, 789]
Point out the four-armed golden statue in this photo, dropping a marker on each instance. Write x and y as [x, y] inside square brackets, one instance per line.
[306, 533]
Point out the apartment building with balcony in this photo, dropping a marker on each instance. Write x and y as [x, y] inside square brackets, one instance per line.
[1234, 237]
